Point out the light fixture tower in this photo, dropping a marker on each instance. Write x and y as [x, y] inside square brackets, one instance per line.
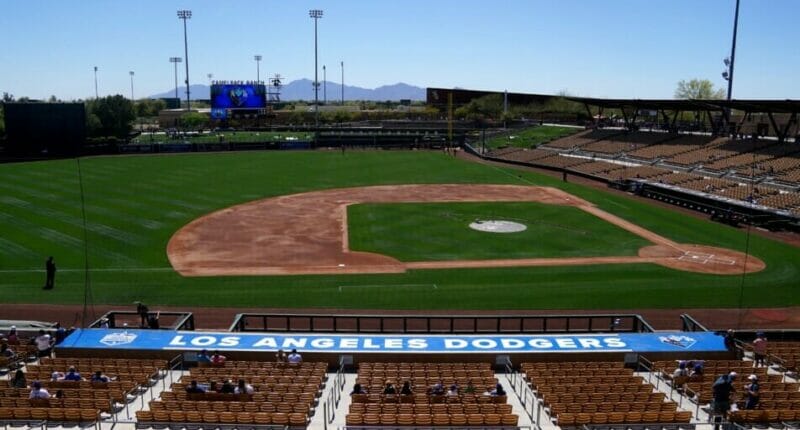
[95, 83]
[324, 85]
[175, 61]
[315, 14]
[184, 15]
[729, 78]
[210, 77]
[258, 68]
[131, 73]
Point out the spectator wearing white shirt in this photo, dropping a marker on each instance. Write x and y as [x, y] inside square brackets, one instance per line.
[37, 392]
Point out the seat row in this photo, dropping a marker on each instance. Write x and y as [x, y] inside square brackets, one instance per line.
[422, 384]
[255, 378]
[439, 408]
[159, 419]
[422, 398]
[64, 362]
[573, 365]
[572, 380]
[117, 395]
[631, 398]
[202, 406]
[305, 397]
[594, 388]
[530, 373]
[426, 366]
[600, 418]
[765, 416]
[50, 414]
[558, 408]
[269, 365]
[103, 404]
[419, 420]
[263, 373]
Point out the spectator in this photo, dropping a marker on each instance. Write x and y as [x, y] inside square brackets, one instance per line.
[61, 333]
[389, 389]
[142, 311]
[697, 373]
[18, 381]
[406, 390]
[44, 344]
[227, 387]
[37, 392]
[453, 391]
[100, 377]
[193, 388]
[218, 359]
[57, 376]
[751, 392]
[294, 357]
[243, 388]
[469, 389]
[6, 350]
[498, 391]
[202, 357]
[13, 338]
[437, 389]
[721, 393]
[759, 350]
[680, 371]
[730, 340]
[212, 387]
[280, 356]
[73, 375]
[357, 389]
[152, 320]
[104, 322]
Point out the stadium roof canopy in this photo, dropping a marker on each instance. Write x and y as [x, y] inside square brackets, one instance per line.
[750, 106]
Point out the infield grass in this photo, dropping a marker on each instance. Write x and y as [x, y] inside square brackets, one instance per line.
[135, 203]
[440, 231]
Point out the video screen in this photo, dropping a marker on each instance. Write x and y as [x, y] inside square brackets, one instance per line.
[248, 96]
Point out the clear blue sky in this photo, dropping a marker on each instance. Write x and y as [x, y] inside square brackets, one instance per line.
[610, 48]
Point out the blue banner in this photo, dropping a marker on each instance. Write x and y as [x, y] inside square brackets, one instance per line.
[342, 343]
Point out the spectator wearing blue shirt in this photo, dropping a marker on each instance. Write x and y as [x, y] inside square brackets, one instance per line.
[72, 375]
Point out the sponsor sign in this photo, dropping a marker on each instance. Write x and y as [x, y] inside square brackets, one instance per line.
[343, 343]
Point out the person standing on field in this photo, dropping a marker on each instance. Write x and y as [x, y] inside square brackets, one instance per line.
[50, 268]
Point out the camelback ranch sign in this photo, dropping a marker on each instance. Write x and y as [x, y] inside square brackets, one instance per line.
[338, 343]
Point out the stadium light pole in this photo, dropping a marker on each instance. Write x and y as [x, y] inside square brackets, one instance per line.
[733, 51]
[258, 67]
[324, 85]
[210, 78]
[342, 64]
[175, 61]
[131, 73]
[96, 94]
[184, 15]
[315, 14]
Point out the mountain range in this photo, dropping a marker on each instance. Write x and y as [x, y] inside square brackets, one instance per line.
[302, 89]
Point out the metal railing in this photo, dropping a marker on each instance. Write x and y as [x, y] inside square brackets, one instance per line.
[334, 395]
[530, 403]
[441, 324]
[688, 323]
[685, 394]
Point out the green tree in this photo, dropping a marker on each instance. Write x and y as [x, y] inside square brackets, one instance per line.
[149, 108]
[702, 89]
[115, 114]
[193, 120]
[481, 108]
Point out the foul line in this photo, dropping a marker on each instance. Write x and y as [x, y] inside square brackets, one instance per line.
[342, 287]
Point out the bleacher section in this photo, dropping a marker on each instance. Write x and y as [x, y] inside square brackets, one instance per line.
[284, 394]
[599, 393]
[422, 408]
[778, 401]
[718, 166]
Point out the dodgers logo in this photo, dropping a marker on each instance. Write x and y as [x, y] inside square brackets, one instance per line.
[115, 339]
[684, 342]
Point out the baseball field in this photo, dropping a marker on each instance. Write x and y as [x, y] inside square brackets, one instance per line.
[145, 217]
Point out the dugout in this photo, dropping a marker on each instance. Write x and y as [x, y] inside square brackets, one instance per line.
[45, 130]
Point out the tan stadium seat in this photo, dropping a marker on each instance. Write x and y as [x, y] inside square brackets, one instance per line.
[244, 418]
[458, 420]
[262, 418]
[422, 419]
[510, 420]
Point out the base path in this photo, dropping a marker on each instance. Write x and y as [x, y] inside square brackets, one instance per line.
[307, 234]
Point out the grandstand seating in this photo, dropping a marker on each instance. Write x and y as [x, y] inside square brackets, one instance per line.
[422, 409]
[284, 395]
[595, 393]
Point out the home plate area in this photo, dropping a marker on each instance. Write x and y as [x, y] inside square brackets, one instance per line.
[703, 258]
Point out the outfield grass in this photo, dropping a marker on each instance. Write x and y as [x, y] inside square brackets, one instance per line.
[135, 203]
[440, 231]
[530, 137]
